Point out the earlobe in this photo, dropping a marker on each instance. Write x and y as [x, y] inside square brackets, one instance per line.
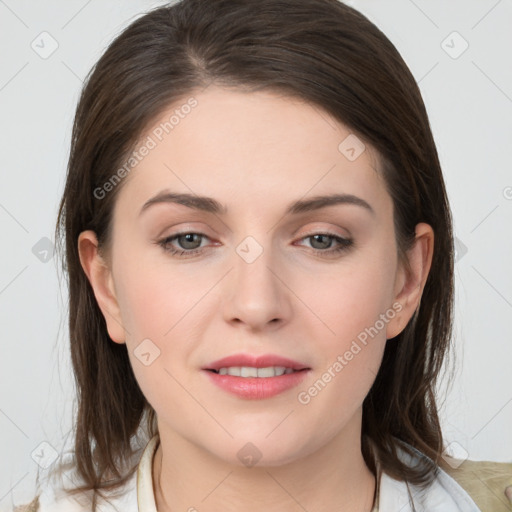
[409, 285]
[100, 277]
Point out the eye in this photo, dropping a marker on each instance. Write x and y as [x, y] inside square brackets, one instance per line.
[322, 243]
[190, 243]
[187, 240]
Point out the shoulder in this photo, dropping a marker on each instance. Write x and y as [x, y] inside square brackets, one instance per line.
[33, 506]
[459, 485]
[48, 500]
[488, 483]
[44, 502]
[52, 497]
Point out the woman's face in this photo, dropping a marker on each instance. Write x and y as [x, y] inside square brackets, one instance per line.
[315, 284]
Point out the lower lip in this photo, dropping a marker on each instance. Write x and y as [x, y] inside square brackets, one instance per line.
[257, 388]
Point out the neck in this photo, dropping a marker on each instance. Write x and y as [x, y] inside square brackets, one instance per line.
[335, 477]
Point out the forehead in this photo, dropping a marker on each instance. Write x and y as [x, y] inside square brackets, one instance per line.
[261, 147]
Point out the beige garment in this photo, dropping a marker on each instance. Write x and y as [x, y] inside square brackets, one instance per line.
[488, 483]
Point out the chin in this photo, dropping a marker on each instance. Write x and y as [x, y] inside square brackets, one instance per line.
[258, 450]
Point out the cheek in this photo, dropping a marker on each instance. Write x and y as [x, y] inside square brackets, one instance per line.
[159, 308]
[154, 299]
[348, 360]
[356, 306]
[154, 312]
[352, 298]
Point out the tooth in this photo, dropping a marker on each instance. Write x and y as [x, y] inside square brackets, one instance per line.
[266, 372]
[279, 370]
[246, 371]
[249, 371]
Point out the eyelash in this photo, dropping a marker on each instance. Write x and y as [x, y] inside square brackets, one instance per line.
[344, 244]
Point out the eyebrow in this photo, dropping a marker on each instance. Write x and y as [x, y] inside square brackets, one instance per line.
[210, 205]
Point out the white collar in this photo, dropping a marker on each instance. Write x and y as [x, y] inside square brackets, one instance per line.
[145, 493]
[444, 495]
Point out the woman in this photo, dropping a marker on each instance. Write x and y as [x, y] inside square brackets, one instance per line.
[260, 259]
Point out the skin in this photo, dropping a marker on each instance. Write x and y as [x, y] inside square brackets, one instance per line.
[256, 153]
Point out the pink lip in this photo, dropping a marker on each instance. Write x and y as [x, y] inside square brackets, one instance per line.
[256, 388]
[263, 361]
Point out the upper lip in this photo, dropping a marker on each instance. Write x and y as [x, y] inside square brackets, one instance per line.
[255, 361]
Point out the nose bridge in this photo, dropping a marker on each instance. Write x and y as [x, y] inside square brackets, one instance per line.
[257, 296]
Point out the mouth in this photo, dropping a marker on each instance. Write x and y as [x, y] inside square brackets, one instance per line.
[256, 377]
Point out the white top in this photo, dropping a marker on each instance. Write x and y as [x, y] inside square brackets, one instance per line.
[443, 495]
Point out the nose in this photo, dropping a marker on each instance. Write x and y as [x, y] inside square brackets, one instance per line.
[255, 291]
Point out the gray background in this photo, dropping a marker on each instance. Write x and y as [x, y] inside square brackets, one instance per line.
[468, 95]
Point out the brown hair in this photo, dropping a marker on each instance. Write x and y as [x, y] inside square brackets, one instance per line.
[320, 51]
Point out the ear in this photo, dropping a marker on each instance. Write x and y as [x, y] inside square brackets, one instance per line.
[409, 285]
[100, 277]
